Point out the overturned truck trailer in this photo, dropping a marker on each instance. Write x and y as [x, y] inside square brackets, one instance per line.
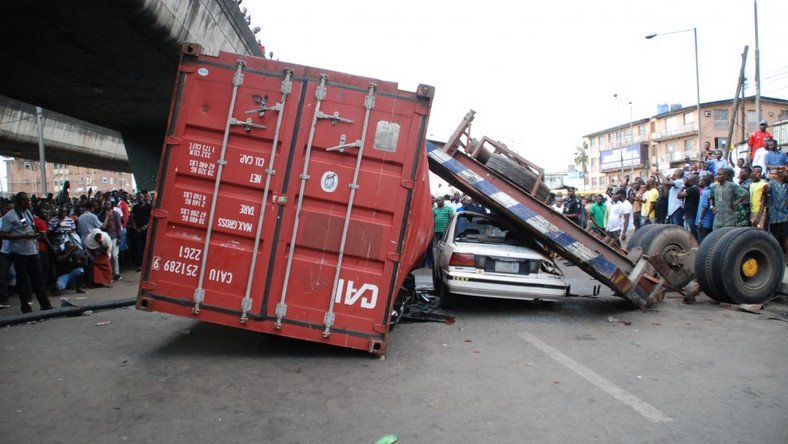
[734, 265]
[292, 200]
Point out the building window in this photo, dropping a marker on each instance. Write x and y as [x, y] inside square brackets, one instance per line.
[751, 116]
[783, 115]
[689, 144]
[689, 118]
[672, 122]
[593, 162]
[593, 182]
[720, 119]
[603, 181]
[642, 129]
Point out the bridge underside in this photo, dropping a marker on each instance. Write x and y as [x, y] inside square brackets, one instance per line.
[111, 63]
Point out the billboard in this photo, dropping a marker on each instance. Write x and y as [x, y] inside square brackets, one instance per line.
[627, 156]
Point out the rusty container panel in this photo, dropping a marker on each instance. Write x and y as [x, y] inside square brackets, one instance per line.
[235, 241]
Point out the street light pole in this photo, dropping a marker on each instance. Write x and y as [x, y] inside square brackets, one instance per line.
[697, 76]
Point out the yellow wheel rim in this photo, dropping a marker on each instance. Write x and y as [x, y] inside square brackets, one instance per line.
[750, 267]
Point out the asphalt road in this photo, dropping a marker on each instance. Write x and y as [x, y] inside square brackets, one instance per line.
[506, 371]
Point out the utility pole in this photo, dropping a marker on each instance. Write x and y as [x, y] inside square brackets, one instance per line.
[739, 88]
[758, 116]
[631, 141]
[41, 150]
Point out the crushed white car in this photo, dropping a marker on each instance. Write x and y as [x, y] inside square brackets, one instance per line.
[481, 255]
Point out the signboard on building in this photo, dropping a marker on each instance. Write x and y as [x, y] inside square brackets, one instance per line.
[626, 157]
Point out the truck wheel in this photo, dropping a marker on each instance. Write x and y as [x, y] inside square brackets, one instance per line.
[637, 237]
[750, 265]
[518, 175]
[704, 261]
[667, 239]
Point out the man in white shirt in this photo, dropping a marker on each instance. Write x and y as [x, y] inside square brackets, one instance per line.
[618, 222]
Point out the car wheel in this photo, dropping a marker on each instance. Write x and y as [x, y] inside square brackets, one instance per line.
[518, 175]
[704, 262]
[447, 299]
[750, 265]
[665, 240]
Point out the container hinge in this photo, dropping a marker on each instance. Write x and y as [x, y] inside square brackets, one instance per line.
[199, 296]
[354, 186]
[409, 184]
[270, 172]
[335, 118]
[238, 77]
[328, 319]
[369, 100]
[281, 310]
[263, 108]
[304, 176]
[320, 92]
[247, 124]
[394, 257]
[342, 145]
[170, 140]
[246, 306]
[287, 85]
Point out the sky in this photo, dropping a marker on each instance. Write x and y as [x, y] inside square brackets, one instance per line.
[540, 75]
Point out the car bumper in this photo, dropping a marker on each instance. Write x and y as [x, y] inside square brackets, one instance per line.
[492, 286]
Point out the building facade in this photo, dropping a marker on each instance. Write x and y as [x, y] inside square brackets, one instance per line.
[665, 140]
[25, 175]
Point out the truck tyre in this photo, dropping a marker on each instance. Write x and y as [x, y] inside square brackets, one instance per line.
[704, 261]
[518, 175]
[749, 264]
[637, 237]
[670, 238]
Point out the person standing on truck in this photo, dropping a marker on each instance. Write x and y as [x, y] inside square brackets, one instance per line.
[572, 206]
[62, 196]
[442, 213]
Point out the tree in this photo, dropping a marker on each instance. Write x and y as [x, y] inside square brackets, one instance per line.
[581, 160]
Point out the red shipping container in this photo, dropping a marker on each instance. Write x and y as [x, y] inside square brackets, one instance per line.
[291, 200]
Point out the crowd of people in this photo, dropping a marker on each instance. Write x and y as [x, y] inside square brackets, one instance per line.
[708, 193]
[58, 242]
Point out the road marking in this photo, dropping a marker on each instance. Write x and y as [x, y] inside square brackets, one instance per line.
[647, 410]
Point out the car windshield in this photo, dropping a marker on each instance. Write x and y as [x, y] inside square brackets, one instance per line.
[484, 230]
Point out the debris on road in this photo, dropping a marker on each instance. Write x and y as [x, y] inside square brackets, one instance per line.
[613, 320]
[387, 439]
[99, 324]
[749, 308]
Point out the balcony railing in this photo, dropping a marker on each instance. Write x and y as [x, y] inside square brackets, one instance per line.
[681, 130]
[625, 141]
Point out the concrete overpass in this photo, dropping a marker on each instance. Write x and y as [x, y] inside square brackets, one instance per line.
[68, 140]
[111, 63]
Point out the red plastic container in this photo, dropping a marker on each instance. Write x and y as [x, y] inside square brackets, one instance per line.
[337, 219]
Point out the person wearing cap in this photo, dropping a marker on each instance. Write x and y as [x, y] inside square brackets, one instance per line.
[758, 138]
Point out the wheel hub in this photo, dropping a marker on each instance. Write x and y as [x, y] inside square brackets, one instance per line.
[749, 267]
